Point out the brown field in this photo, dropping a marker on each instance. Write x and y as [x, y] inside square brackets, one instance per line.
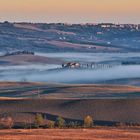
[73, 103]
[7, 85]
[33, 27]
[67, 91]
[71, 134]
[119, 110]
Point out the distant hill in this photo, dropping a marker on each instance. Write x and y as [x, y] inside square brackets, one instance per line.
[21, 59]
[41, 37]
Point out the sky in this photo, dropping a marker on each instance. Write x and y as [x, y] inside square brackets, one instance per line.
[70, 11]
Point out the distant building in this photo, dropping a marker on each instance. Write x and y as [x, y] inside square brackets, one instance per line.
[71, 65]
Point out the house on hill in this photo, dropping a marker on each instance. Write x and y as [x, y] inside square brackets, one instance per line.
[71, 65]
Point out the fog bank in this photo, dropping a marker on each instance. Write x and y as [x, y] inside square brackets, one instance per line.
[72, 76]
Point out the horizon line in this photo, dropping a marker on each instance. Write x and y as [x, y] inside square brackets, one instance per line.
[68, 23]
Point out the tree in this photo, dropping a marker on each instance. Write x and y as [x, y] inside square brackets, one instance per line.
[88, 121]
[39, 120]
[60, 122]
[6, 122]
[50, 124]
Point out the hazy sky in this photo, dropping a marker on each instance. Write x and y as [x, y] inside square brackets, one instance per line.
[71, 11]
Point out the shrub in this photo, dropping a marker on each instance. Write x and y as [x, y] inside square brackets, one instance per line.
[39, 120]
[88, 121]
[6, 123]
[60, 122]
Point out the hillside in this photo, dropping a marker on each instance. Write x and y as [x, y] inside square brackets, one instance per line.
[67, 91]
[108, 104]
[43, 37]
[25, 59]
[105, 111]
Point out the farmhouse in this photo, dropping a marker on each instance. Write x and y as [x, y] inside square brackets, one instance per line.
[71, 65]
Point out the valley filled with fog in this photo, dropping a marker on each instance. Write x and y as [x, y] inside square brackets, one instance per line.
[119, 74]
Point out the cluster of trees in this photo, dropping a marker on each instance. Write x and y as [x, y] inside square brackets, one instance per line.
[130, 124]
[61, 123]
[19, 52]
[39, 121]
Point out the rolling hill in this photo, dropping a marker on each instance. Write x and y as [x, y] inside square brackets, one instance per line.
[41, 37]
[26, 59]
[106, 103]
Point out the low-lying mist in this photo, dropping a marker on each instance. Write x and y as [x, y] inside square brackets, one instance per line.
[54, 73]
[71, 75]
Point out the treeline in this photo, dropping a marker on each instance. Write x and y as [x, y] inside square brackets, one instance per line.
[41, 122]
[19, 53]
